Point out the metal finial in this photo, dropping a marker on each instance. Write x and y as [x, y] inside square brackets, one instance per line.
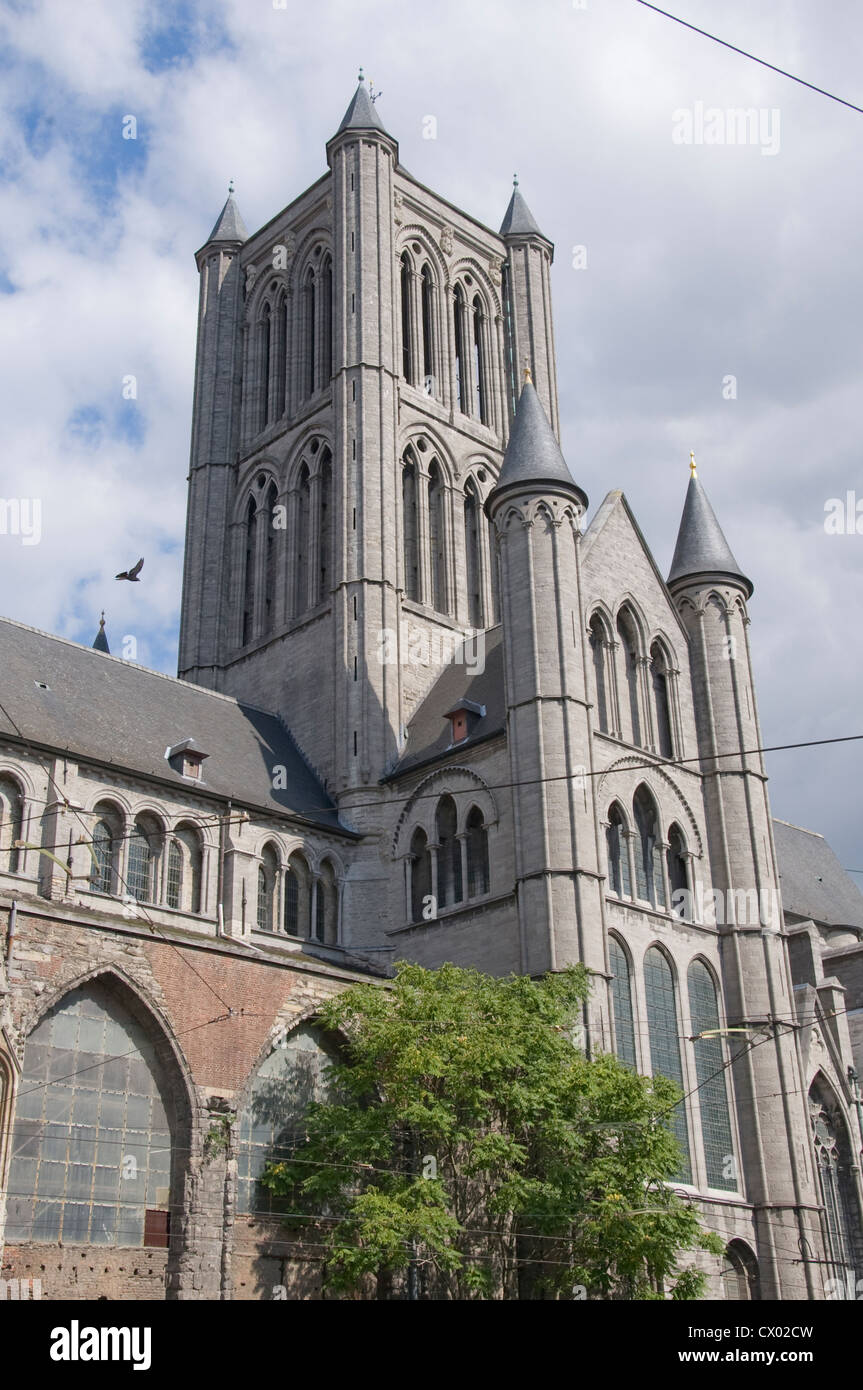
[527, 375]
[692, 464]
[515, 180]
[360, 77]
[231, 186]
[102, 619]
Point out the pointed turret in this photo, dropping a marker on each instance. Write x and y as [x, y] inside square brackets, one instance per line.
[533, 460]
[702, 549]
[361, 114]
[518, 219]
[528, 325]
[100, 641]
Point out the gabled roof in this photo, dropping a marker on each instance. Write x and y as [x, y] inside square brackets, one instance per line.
[229, 224]
[430, 730]
[533, 454]
[813, 883]
[102, 709]
[701, 546]
[361, 114]
[518, 220]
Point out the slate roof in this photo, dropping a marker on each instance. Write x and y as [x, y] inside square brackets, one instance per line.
[229, 224]
[701, 546]
[109, 711]
[813, 883]
[430, 731]
[533, 453]
[361, 114]
[518, 220]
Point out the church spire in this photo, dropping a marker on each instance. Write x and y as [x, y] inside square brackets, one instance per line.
[100, 641]
[229, 223]
[702, 549]
[361, 113]
[533, 459]
[518, 219]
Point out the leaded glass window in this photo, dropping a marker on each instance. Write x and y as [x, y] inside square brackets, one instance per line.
[621, 995]
[663, 1033]
[102, 871]
[619, 880]
[711, 1078]
[141, 866]
[477, 854]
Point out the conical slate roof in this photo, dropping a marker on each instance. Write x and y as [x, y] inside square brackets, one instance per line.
[518, 219]
[100, 641]
[701, 546]
[361, 114]
[533, 454]
[229, 224]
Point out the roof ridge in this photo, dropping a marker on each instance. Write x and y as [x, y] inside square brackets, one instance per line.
[804, 829]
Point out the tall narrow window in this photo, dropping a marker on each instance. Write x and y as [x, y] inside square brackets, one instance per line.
[184, 869]
[598, 655]
[309, 346]
[301, 578]
[618, 855]
[477, 854]
[659, 681]
[664, 1034]
[249, 575]
[102, 872]
[420, 865]
[678, 884]
[267, 878]
[270, 560]
[621, 997]
[710, 1075]
[427, 287]
[326, 909]
[648, 855]
[494, 563]
[142, 862]
[449, 879]
[10, 825]
[327, 318]
[460, 374]
[264, 330]
[471, 550]
[479, 362]
[280, 344]
[409, 524]
[174, 886]
[292, 903]
[437, 556]
[325, 538]
[298, 890]
[629, 646]
[835, 1166]
[407, 319]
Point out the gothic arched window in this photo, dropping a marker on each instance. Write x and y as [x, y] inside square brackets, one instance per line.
[420, 863]
[459, 315]
[437, 551]
[270, 559]
[94, 1091]
[471, 548]
[406, 286]
[649, 884]
[249, 572]
[309, 345]
[629, 646]
[327, 318]
[621, 998]
[297, 891]
[144, 844]
[494, 563]
[301, 573]
[268, 873]
[409, 524]
[10, 824]
[185, 858]
[678, 882]
[598, 651]
[325, 539]
[618, 854]
[449, 877]
[663, 1032]
[661, 700]
[479, 362]
[740, 1273]
[326, 906]
[710, 1075]
[477, 854]
[280, 346]
[264, 349]
[102, 872]
[834, 1160]
[427, 289]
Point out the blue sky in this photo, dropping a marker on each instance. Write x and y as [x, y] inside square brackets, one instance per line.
[701, 262]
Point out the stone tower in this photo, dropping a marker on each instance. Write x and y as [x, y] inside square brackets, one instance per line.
[711, 594]
[353, 399]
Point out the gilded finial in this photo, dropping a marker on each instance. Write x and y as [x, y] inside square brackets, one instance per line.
[527, 375]
[692, 471]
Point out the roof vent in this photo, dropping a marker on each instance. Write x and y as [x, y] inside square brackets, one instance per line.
[186, 758]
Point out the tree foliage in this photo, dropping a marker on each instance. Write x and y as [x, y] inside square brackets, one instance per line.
[469, 1149]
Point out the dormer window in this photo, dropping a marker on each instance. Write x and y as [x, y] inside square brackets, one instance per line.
[464, 718]
[186, 759]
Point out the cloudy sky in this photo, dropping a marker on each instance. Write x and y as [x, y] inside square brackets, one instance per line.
[704, 261]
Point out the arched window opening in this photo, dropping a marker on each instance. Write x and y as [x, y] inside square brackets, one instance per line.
[272, 1123]
[10, 825]
[427, 290]
[270, 560]
[471, 547]
[420, 861]
[494, 561]
[297, 899]
[649, 884]
[249, 575]
[327, 319]
[460, 366]
[629, 646]
[144, 844]
[326, 906]
[677, 880]
[280, 344]
[326, 528]
[304, 503]
[618, 854]
[437, 554]
[185, 857]
[740, 1280]
[268, 872]
[111, 1097]
[479, 363]
[407, 319]
[477, 854]
[621, 997]
[264, 341]
[409, 523]
[843, 1236]
[598, 651]
[664, 1036]
[102, 872]
[449, 879]
[661, 700]
[174, 886]
[710, 1074]
[309, 332]
[292, 903]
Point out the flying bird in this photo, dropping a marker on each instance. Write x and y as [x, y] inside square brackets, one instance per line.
[132, 574]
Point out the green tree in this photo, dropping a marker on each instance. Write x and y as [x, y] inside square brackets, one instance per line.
[469, 1149]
